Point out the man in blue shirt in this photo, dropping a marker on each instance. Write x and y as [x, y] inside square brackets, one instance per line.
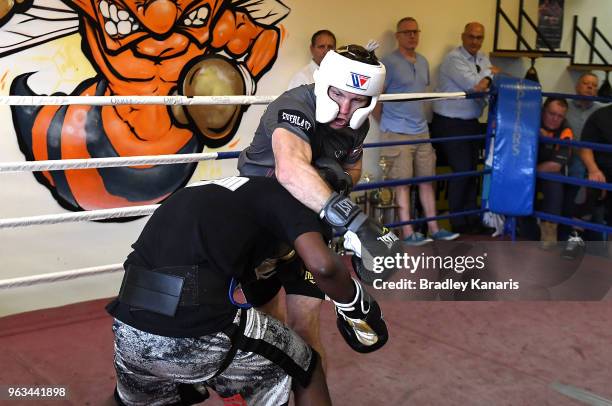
[464, 69]
[408, 72]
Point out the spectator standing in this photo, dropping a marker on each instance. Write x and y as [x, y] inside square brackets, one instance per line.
[464, 69]
[321, 42]
[408, 72]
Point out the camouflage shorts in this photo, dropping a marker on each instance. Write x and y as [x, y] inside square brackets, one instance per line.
[151, 369]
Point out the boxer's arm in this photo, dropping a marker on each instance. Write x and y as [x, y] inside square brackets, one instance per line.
[326, 267]
[360, 319]
[292, 157]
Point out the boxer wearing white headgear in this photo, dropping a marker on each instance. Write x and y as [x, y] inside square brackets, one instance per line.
[311, 140]
[352, 69]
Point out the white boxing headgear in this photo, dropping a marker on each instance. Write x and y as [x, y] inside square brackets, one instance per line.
[355, 70]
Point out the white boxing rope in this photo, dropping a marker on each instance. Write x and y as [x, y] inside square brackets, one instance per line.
[421, 96]
[85, 163]
[130, 100]
[79, 216]
[59, 276]
[189, 100]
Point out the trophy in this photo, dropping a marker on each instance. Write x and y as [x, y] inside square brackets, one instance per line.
[385, 194]
[364, 199]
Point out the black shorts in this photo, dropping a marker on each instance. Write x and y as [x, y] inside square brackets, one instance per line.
[292, 276]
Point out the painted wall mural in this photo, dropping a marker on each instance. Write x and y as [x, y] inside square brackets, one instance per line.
[139, 47]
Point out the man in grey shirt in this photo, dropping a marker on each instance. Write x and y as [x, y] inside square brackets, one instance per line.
[326, 120]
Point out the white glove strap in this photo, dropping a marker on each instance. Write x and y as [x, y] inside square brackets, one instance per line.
[349, 307]
[352, 243]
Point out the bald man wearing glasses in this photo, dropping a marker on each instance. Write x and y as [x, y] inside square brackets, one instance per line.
[464, 69]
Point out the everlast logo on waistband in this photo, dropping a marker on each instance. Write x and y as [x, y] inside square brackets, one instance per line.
[295, 118]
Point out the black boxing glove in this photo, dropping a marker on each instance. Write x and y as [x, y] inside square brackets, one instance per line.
[340, 212]
[369, 240]
[361, 322]
[372, 243]
[332, 173]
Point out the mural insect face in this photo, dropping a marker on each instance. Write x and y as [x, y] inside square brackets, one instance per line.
[158, 29]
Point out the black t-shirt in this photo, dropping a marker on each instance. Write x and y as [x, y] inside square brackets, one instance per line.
[227, 228]
[294, 111]
[554, 152]
[598, 128]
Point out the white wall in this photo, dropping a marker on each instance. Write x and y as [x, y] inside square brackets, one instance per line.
[44, 249]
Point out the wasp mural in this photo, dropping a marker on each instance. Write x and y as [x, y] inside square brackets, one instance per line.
[140, 47]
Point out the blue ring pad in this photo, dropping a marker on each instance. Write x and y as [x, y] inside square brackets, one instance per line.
[515, 150]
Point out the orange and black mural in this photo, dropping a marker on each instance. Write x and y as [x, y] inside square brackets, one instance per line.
[144, 47]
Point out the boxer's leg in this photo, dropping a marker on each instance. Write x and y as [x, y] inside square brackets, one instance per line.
[270, 361]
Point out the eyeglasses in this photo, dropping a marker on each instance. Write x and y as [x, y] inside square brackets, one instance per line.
[409, 32]
[478, 68]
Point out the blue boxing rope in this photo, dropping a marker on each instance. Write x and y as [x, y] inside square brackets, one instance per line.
[228, 155]
[475, 137]
[577, 97]
[420, 179]
[595, 146]
[573, 181]
[574, 223]
[440, 217]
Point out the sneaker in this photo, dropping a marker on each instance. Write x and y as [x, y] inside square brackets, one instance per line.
[574, 247]
[444, 235]
[417, 239]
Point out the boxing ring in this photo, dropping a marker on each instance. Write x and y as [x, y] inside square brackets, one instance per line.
[506, 346]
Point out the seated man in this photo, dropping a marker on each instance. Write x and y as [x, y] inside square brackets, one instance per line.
[598, 128]
[552, 158]
[577, 113]
[175, 325]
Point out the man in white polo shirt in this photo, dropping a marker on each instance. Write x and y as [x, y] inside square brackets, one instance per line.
[321, 42]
